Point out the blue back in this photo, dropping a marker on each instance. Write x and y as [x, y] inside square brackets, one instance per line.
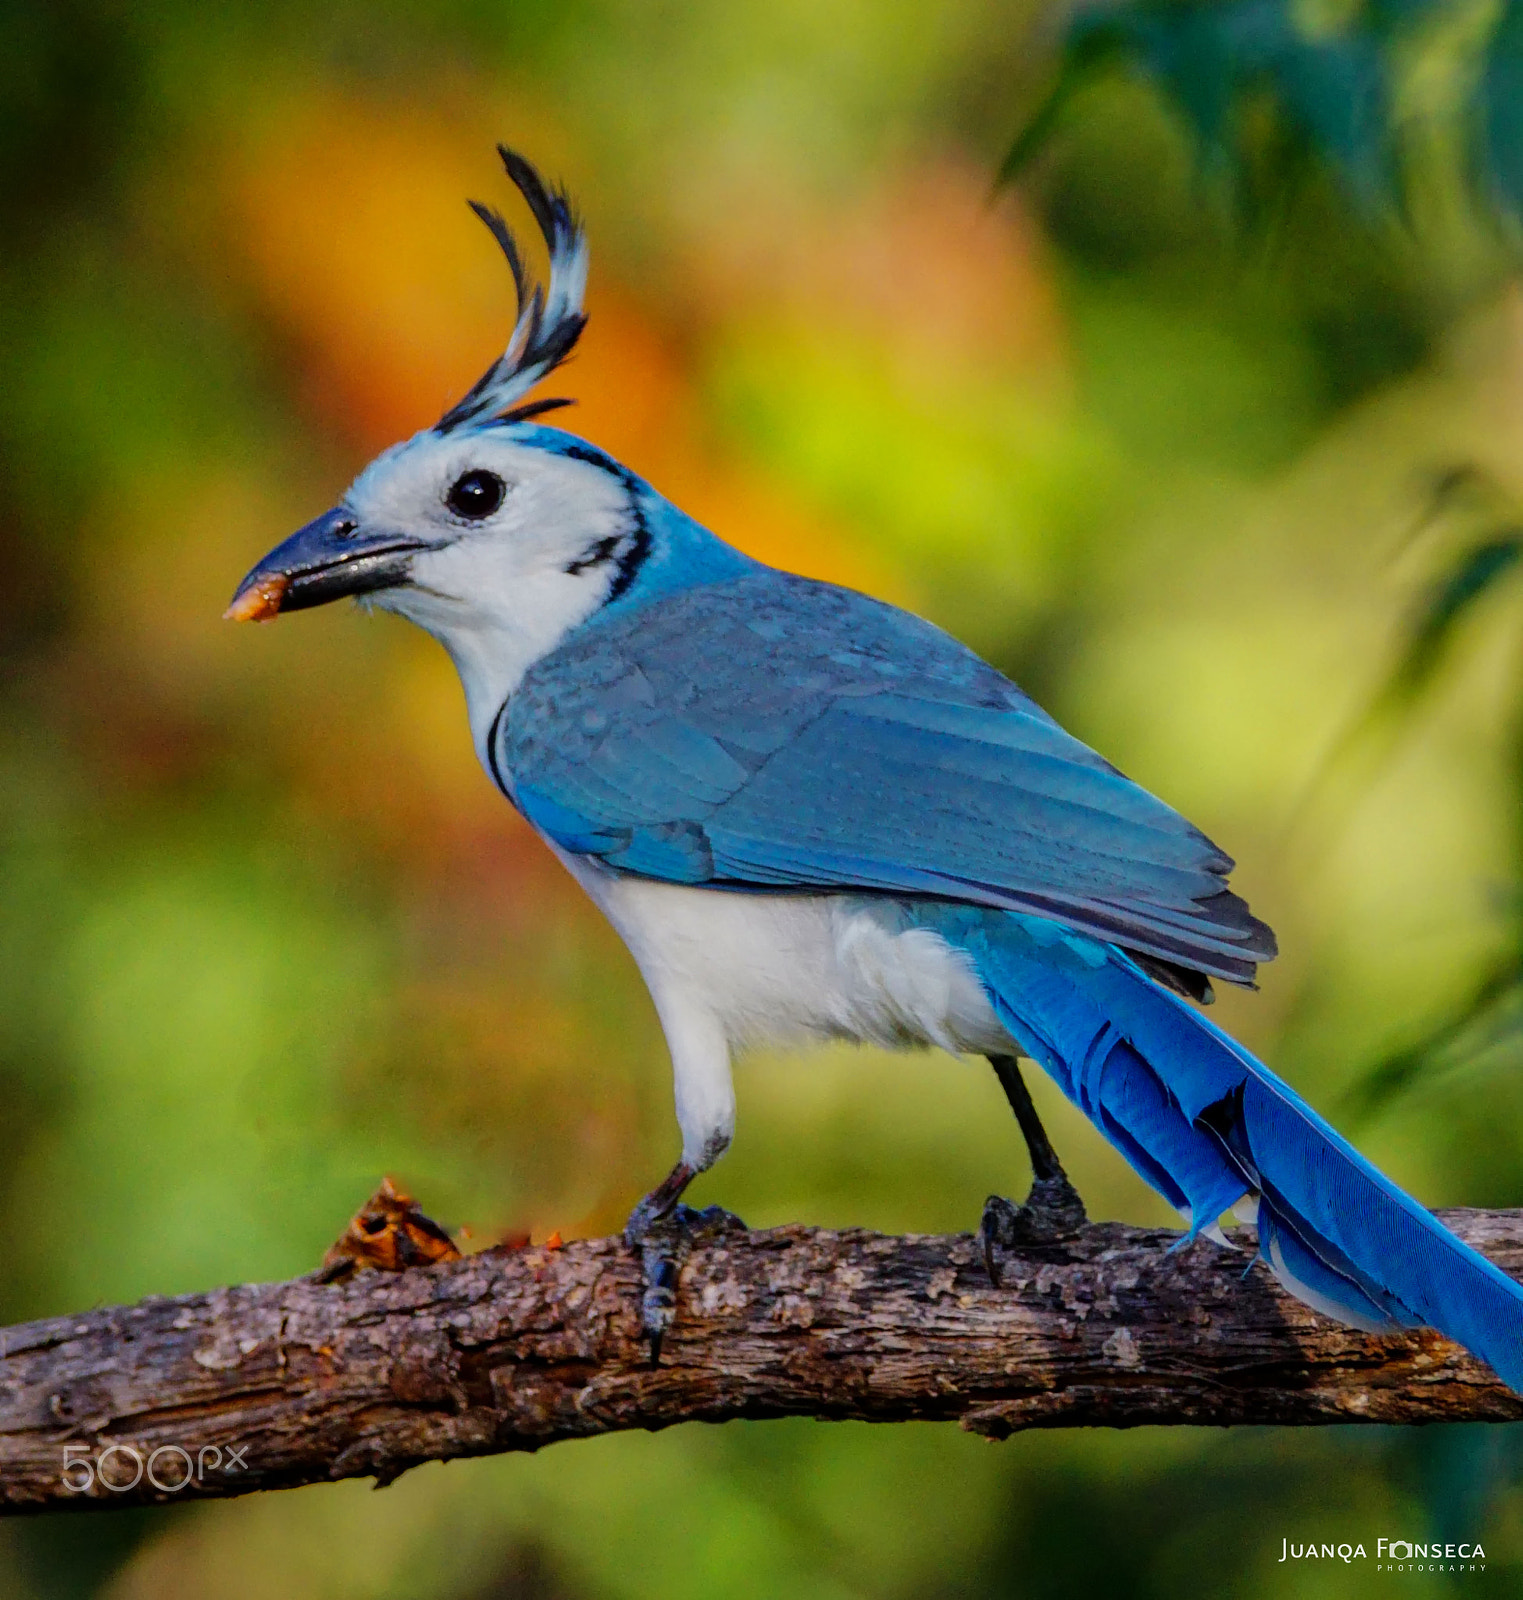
[768, 732]
[724, 724]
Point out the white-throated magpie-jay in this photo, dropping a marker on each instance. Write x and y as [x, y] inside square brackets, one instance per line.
[811, 815]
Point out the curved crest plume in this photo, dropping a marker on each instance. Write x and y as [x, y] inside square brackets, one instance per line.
[548, 324]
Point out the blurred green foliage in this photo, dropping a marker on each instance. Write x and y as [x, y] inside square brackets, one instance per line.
[1378, 92]
[265, 932]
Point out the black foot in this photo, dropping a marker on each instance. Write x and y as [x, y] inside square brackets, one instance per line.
[1053, 1211]
[665, 1241]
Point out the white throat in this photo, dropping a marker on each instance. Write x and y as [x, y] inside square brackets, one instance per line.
[492, 645]
[500, 596]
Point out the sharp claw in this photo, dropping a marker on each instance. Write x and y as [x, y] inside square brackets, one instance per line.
[658, 1305]
[664, 1243]
[1053, 1211]
[998, 1228]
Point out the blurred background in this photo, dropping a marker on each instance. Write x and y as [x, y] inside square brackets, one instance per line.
[1203, 421]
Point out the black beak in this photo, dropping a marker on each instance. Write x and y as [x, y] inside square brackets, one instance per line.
[324, 561]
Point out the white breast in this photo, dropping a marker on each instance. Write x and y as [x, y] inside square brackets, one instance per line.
[727, 969]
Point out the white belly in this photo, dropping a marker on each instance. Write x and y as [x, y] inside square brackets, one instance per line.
[727, 969]
[774, 968]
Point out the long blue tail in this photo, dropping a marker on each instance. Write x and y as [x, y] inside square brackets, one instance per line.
[1204, 1122]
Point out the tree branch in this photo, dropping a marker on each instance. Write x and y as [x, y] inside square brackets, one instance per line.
[275, 1385]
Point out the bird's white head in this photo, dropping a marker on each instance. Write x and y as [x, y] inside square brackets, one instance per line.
[494, 533]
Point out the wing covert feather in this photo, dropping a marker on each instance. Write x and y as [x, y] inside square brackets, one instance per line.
[770, 732]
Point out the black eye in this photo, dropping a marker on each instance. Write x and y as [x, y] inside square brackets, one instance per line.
[474, 495]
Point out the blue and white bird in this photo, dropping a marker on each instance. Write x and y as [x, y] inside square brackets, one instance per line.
[811, 815]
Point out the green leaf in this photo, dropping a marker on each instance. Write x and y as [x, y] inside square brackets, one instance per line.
[1088, 52]
[1329, 90]
[1500, 109]
[1495, 996]
[1476, 572]
[1337, 93]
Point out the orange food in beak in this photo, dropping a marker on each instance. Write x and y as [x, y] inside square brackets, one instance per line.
[260, 603]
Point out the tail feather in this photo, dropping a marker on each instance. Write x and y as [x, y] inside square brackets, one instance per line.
[1337, 1291]
[1130, 1104]
[1204, 1123]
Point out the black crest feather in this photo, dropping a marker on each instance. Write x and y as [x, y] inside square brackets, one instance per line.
[548, 323]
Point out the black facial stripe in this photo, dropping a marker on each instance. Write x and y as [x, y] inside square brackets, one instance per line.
[492, 733]
[637, 550]
[602, 551]
[634, 555]
[595, 458]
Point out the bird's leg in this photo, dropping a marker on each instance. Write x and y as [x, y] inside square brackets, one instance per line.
[664, 1231]
[1053, 1209]
[658, 1202]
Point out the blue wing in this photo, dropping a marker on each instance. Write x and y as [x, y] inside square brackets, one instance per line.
[770, 732]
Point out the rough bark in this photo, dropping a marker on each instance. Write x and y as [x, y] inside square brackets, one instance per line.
[275, 1385]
